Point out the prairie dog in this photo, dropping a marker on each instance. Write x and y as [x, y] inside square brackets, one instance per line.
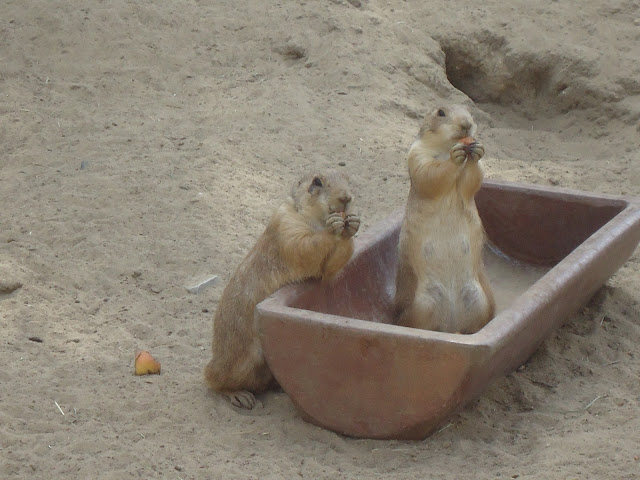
[308, 236]
[441, 282]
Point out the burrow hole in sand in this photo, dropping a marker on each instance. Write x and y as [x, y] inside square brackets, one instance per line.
[530, 85]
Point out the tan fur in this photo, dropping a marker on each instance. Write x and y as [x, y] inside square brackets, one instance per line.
[306, 237]
[441, 282]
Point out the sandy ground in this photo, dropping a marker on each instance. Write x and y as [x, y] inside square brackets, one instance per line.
[144, 146]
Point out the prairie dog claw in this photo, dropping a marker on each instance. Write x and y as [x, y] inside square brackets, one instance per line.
[351, 225]
[242, 399]
[475, 151]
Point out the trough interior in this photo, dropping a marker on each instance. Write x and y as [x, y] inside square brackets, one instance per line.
[529, 231]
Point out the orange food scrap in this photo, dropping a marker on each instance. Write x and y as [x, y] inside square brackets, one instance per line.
[145, 364]
[467, 141]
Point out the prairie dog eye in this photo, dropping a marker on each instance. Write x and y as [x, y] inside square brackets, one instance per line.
[441, 113]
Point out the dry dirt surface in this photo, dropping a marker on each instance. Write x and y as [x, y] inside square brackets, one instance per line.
[144, 146]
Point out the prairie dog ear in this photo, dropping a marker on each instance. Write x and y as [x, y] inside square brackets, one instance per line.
[316, 184]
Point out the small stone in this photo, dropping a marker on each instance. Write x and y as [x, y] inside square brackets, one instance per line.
[136, 273]
[342, 164]
[200, 286]
[84, 164]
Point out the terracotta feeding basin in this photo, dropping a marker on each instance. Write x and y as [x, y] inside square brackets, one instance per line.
[346, 367]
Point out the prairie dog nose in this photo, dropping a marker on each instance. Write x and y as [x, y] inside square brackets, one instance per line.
[345, 198]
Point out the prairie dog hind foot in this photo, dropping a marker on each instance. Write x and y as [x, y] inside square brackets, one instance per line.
[243, 399]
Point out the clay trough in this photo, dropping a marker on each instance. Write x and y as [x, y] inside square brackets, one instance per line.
[347, 368]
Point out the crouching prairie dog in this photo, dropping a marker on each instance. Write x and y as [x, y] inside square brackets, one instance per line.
[308, 236]
[441, 282]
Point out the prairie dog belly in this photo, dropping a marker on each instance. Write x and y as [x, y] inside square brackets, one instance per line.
[448, 240]
[445, 248]
[456, 308]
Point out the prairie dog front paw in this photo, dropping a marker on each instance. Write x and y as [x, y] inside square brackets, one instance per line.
[458, 153]
[336, 223]
[475, 151]
[351, 225]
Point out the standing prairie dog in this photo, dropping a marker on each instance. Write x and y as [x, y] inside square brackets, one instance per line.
[309, 236]
[441, 282]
